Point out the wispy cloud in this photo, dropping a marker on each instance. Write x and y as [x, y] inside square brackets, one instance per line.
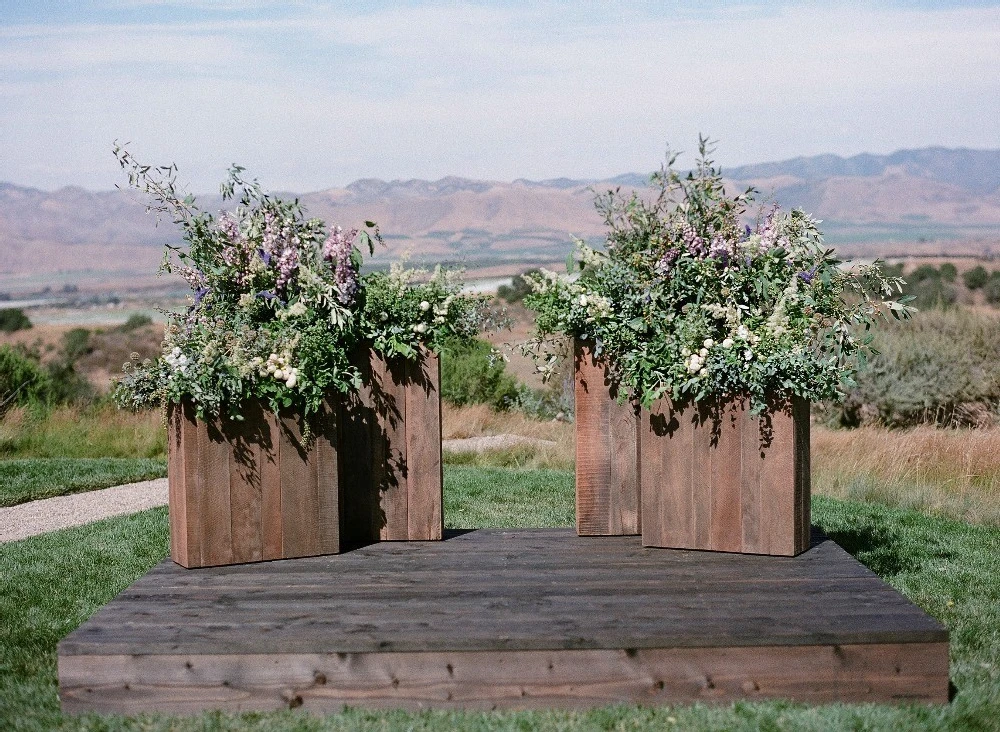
[311, 95]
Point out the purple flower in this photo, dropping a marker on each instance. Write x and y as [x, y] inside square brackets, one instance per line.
[264, 256]
[807, 276]
[200, 294]
[266, 295]
[337, 249]
[667, 261]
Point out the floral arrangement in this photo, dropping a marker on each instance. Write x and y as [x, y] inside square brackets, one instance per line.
[279, 309]
[690, 301]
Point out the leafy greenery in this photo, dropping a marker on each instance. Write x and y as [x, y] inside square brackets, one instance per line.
[472, 373]
[939, 367]
[30, 479]
[278, 307]
[135, 321]
[22, 379]
[52, 583]
[975, 278]
[991, 290]
[691, 303]
[13, 319]
[519, 287]
[95, 430]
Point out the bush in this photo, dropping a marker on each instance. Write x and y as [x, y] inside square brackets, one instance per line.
[931, 293]
[134, 322]
[471, 373]
[991, 290]
[949, 272]
[922, 273]
[939, 368]
[975, 277]
[22, 380]
[517, 289]
[13, 319]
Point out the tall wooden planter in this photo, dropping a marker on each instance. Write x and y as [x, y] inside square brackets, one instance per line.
[252, 490]
[607, 453]
[721, 483]
[391, 443]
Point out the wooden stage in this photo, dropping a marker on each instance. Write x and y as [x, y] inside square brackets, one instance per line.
[505, 618]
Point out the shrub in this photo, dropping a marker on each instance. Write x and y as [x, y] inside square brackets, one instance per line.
[135, 321]
[929, 293]
[949, 272]
[942, 367]
[975, 278]
[22, 380]
[991, 290]
[518, 288]
[76, 343]
[471, 373]
[13, 319]
[924, 272]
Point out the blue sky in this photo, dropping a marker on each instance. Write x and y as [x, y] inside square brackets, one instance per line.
[312, 95]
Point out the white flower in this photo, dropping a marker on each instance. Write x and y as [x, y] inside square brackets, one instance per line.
[703, 352]
[290, 382]
[727, 343]
[685, 352]
[709, 343]
[420, 328]
[425, 306]
[702, 371]
[583, 301]
[742, 332]
[748, 354]
[279, 375]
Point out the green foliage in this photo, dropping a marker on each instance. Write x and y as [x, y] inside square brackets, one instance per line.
[473, 373]
[938, 367]
[949, 272]
[31, 479]
[976, 277]
[13, 319]
[76, 343]
[50, 584]
[690, 303]
[278, 307]
[134, 322]
[518, 288]
[23, 381]
[991, 290]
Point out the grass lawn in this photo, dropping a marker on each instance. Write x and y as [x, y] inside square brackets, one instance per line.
[32, 478]
[50, 584]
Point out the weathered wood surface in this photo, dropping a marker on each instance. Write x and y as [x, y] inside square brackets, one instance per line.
[607, 453]
[392, 445]
[251, 490]
[713, 481]
[505, 618]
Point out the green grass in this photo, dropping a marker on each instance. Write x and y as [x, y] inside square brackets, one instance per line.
[50, 584]
[30, 479]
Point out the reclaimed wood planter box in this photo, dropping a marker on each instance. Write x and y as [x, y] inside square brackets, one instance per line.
[607, 452]
[253, 490]
[720, 480]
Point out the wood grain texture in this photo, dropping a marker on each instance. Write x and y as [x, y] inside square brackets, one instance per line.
[715, 478]
[251, 490]
[424, 476]
[324, 683]
[607, 452]
[507, 618]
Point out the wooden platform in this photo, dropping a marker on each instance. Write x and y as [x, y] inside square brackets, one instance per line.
[505, 618]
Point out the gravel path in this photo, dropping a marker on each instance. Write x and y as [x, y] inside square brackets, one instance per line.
[62, 512]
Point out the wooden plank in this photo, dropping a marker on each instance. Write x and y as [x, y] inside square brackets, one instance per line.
[214, 500]
[272, 526]
[803, 489]
[750, 491]
[593, 462]
[699, 487]
[726, 464]
[424, 477]
[624, 505]
[322, 683]
[391, 411]
[299, 502]
[327, 478]
[245, 487]
[360, 453]
[176, 485]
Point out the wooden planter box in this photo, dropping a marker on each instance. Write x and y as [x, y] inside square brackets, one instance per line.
[252, 490]
[607, 453]
[723, 483]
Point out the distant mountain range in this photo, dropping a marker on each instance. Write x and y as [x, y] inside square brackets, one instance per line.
[931, 194]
